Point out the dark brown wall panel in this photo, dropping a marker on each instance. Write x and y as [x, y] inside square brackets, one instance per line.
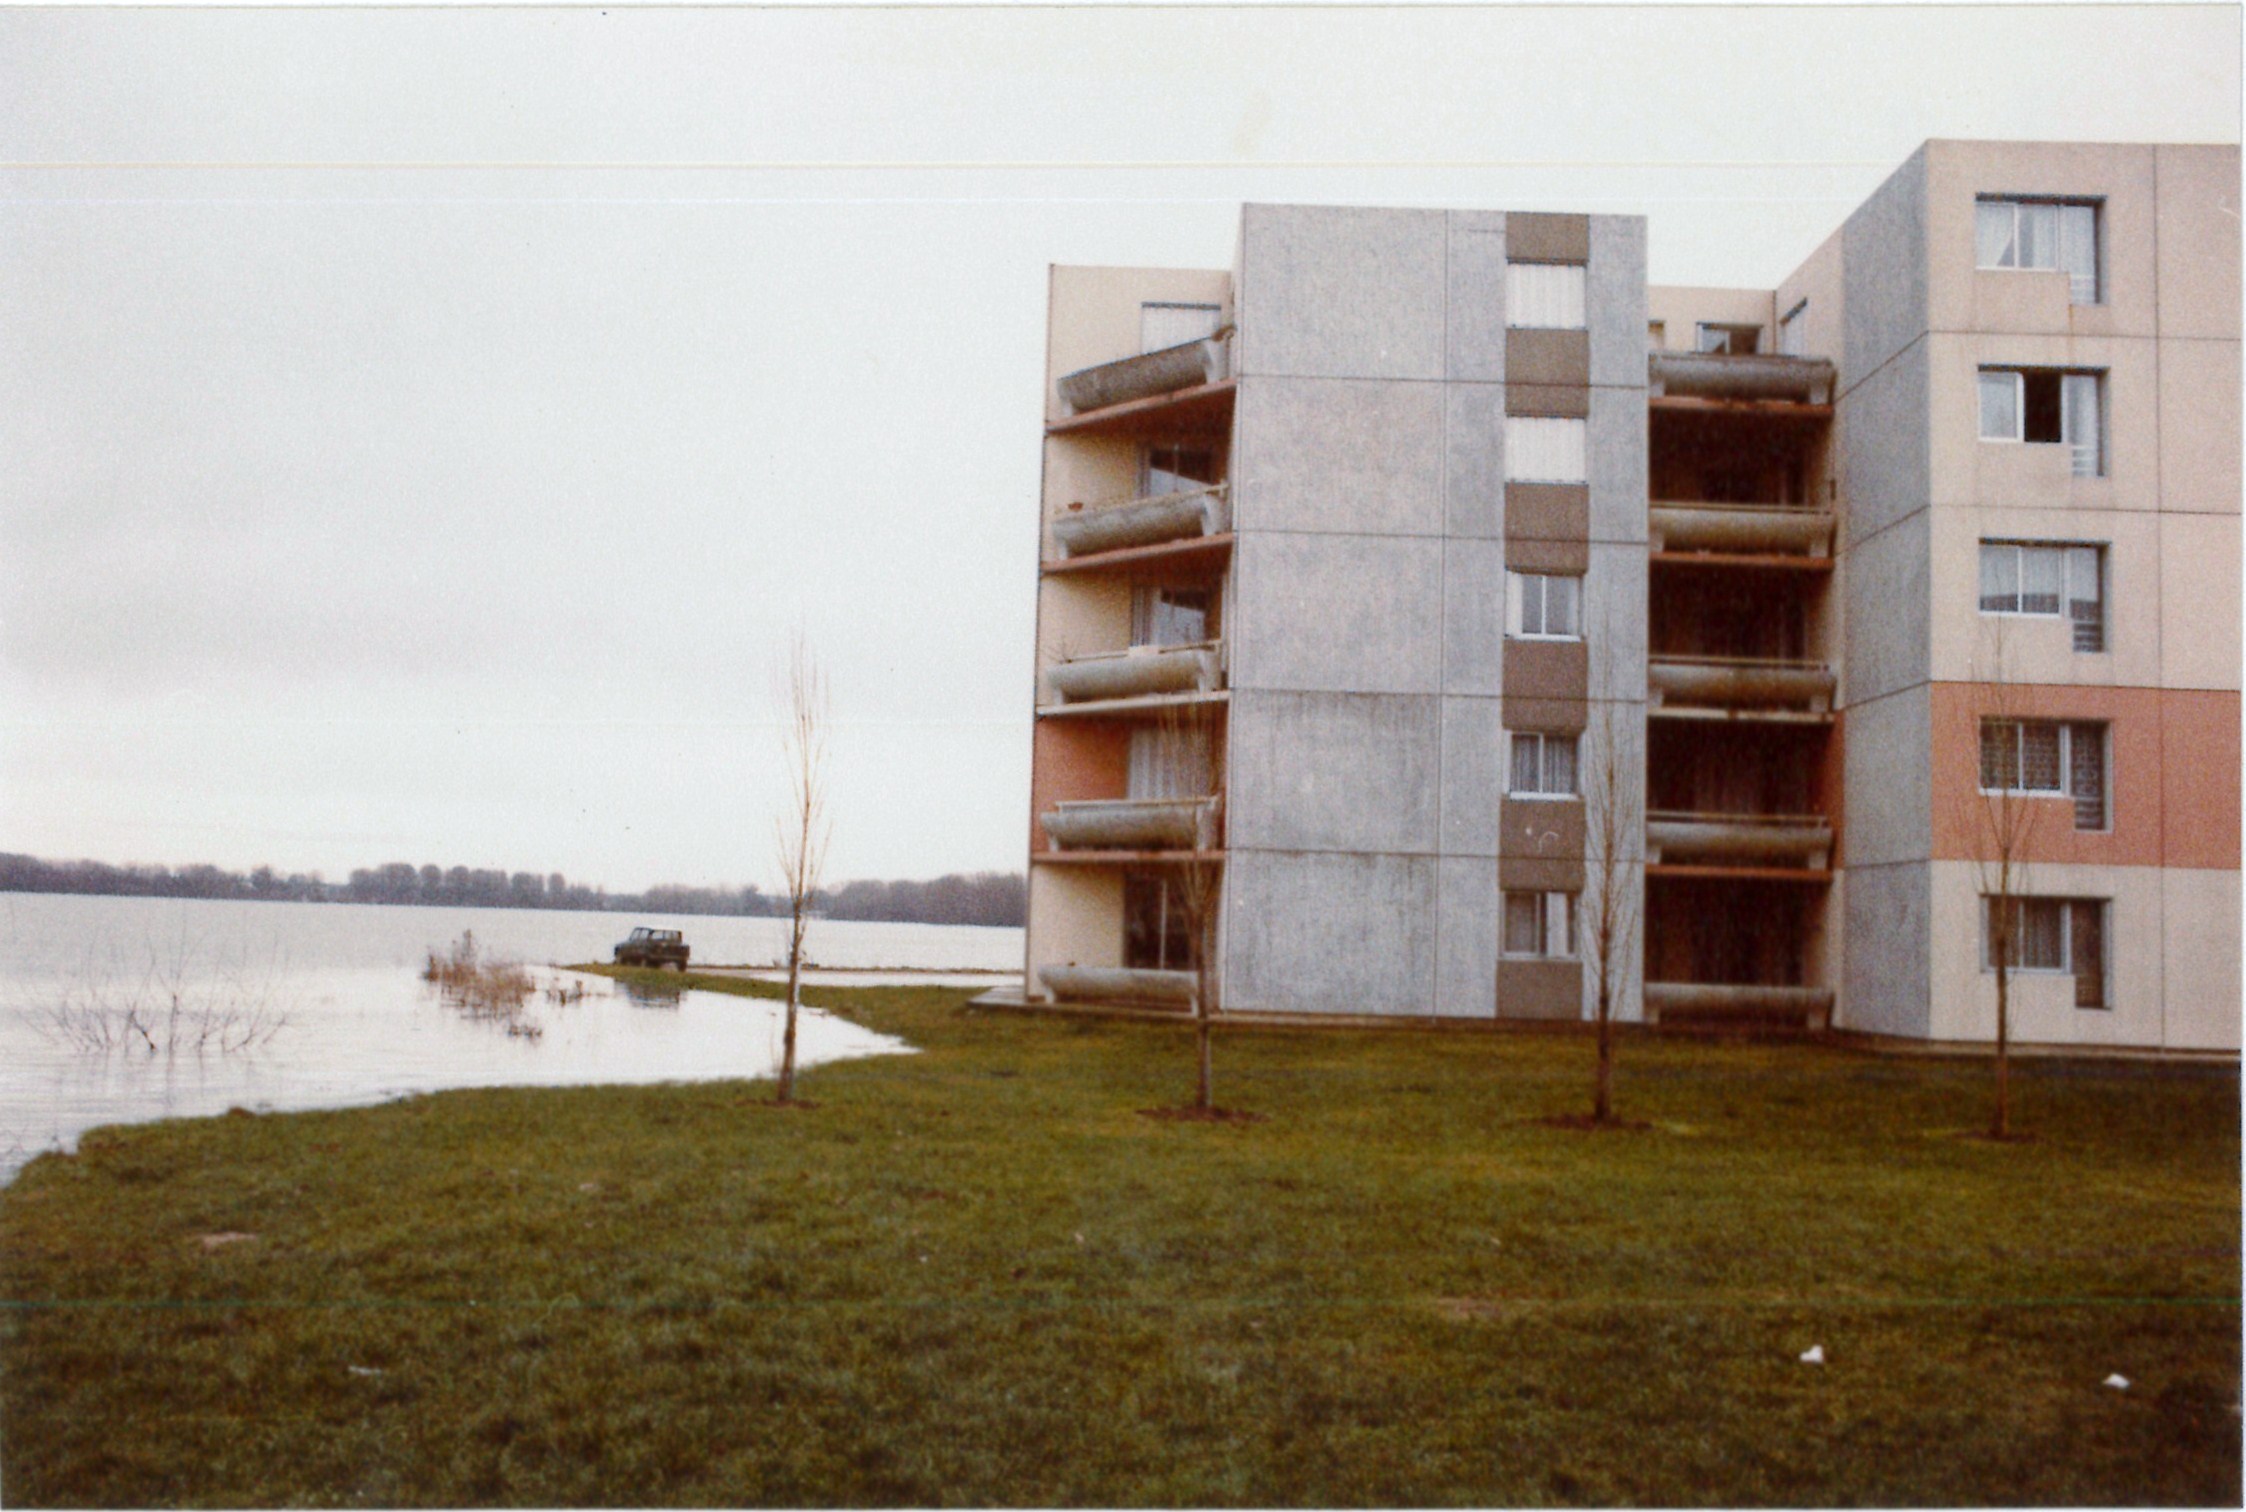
[1547, 238]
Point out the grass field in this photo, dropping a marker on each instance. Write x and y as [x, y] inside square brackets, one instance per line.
[978, 1275]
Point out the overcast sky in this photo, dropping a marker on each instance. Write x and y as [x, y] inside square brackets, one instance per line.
[423, 429]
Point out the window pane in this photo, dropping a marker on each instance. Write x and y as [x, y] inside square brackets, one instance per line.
[2042, 933]
[1559, 935]
[2042, 416]
[1532, 603]
[2000, 578]
[1563, 606]
[2078, 251]
[2000, 406]
[2041, 568]
[2079, 423]
[1992, 234]
[1525, 764]
[2000, 743]
[1523, 915]
[1544, 295]
[2039, 758]
[2039, 236]
[1559, 763]
[2086, 775]
[2089, 942]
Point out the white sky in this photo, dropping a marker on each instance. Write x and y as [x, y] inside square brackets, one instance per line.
[423, 428]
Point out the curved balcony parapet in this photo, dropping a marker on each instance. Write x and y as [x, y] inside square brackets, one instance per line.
[1682, 526]
[1674, 837]
[1142, 377]
[1117, 984]
[1138, 672]
[1811, 1007]
[1738, 682]
[1145, 522]
[1133, 824]
[1724, 375]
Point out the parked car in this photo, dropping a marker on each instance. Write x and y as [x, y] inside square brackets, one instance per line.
[652, 947]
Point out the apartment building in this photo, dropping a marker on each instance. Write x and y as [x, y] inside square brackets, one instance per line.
[1427, 579]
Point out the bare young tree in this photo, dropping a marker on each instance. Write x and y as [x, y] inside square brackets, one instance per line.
[801, 832]
[2002, 820]
[1192, 756]
[1607, 925]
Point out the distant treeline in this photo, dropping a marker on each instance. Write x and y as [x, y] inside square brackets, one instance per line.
[982, 898]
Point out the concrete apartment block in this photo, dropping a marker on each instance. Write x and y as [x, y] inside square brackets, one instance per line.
[1364, 564]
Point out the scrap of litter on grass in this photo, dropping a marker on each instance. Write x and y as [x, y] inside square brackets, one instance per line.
[1814, 1355]
[363, 1370]
[220, 1241]
[2117, 1381]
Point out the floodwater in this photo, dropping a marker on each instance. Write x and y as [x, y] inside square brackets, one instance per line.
[125, 1010]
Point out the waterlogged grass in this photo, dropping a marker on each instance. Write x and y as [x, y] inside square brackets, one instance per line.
[978, 1275]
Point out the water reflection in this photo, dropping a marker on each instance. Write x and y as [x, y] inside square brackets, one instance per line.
[645, 993]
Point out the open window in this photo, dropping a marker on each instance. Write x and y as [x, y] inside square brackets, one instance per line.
[2058, 235]
[2047, 406]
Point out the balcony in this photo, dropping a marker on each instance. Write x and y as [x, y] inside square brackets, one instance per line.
[1673, 837]
[1724, 378]
[1117, 984]
[1738, 684]
[1740, 529]
[1133, 824]
[1148, 375]
[1729, 1005]
[1202, 513]
[1141, 672]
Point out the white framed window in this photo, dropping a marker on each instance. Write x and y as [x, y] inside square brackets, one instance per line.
[2053, 937]
[1544, 449]
[1544, 296]
[1163, 323]
[2048, 579]
[1793, 331]
[2047, 406]
[1540, 924]
[2061, 235]
[2048, 758]
[1543, 606]
[1543, 766]
[1731, 340]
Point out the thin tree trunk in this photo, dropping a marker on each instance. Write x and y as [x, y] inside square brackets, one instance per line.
[1602, 1102]
[2003, 1126]
[1204, 1094]
[787, 1037]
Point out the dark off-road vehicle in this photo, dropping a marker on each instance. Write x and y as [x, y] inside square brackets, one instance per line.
[652, 947]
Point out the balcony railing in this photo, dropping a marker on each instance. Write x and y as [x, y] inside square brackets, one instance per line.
[1117, 984]
[1133, 824]
[1140, 672]
[1142, 377]
[1737, 1004]
[1739, 682]
[1679, 525]
[1722, 375]
[1673, 836]
[1145, 522]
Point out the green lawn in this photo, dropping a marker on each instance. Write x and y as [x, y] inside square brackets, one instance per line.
[977, 1275]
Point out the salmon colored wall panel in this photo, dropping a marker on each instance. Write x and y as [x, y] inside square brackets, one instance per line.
[2200, 742]
[2133, 778]
[1071, 760]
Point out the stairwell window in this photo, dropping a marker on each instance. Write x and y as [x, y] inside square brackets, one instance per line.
[2047, 406]
[1544, 449]
[2059, 580]
[1543, 766]
[1542, 606]
[1540, 924]
[2059, 235]
[2053, 936]
[2045, 758]
[1544, 296]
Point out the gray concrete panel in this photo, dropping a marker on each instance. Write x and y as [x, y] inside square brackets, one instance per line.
[1329, 933]
[1338, 455]
[1332, 292]
[1476, 300]
[1334, 771]
[1886, 786]
[1474, 616]
[1887, 943]
[1474, 439]
[1889, 601]
[1615, 301]
[1618, 464]
[1473, 776]
[1337, 614]
[1883, 261]
[1466, 939]
[1614, 622]
[1886, 462]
